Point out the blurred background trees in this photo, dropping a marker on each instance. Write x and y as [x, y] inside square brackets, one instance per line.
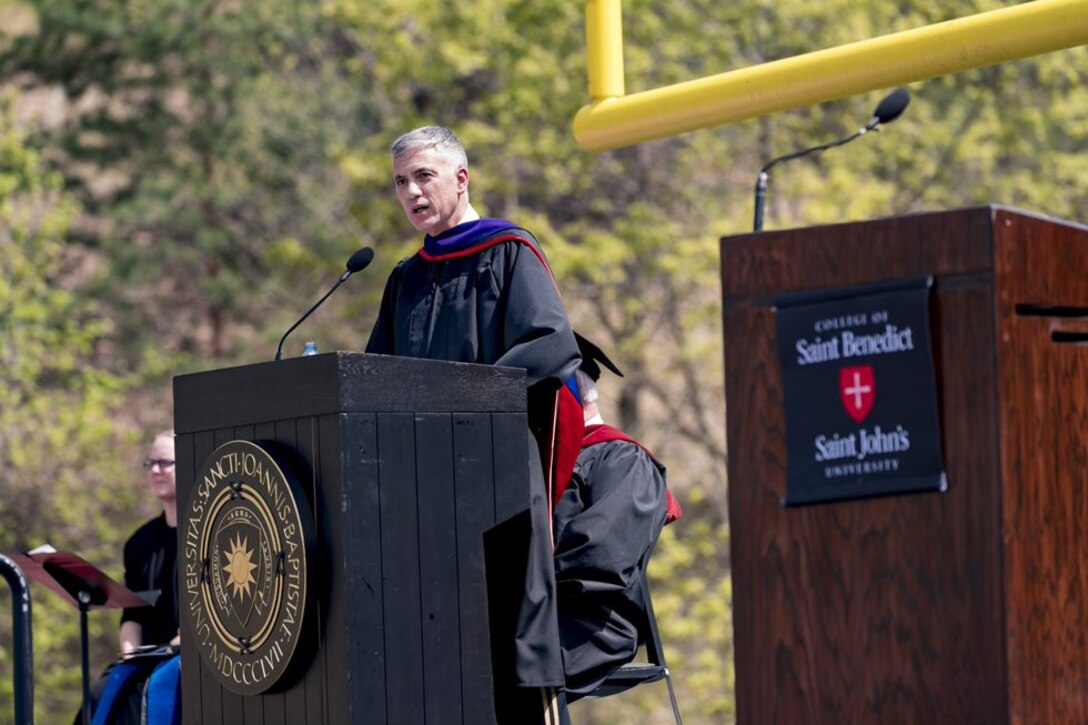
[179, 179]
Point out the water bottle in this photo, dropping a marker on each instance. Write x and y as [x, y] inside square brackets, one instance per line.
[310, 348]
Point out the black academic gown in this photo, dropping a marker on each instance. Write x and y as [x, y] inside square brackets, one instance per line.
[495, 306]
[606, 525]
[493, 303]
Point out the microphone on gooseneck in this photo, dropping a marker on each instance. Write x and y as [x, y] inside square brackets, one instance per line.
[889, 109]
[359, 261]
[356, 263]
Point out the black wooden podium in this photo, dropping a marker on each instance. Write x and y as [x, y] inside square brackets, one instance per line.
[415, 471]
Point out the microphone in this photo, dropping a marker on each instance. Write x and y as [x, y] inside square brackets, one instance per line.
[359, 261]
[356, 263]
[889, 109]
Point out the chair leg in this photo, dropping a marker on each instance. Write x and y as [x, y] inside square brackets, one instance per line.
[654, 648]
[672, 698]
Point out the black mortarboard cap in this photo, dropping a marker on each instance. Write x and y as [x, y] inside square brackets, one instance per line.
[591, 355]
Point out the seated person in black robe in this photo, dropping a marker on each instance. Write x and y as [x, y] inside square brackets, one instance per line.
[480, 291]
[606, 524]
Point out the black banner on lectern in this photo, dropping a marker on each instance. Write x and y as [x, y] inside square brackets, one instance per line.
[860, 392]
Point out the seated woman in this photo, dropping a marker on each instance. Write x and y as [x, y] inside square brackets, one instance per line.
[150, 557]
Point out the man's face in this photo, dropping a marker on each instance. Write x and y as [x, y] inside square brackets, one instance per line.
[432, 189]
[161, 475]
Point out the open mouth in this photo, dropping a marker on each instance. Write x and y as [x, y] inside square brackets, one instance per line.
[419, 209]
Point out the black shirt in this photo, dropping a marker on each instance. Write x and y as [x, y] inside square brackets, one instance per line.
[151, 563]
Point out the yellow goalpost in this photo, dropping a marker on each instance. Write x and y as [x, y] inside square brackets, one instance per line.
[613, 119]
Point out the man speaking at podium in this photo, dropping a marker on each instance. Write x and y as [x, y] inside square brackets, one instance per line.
[480, 291]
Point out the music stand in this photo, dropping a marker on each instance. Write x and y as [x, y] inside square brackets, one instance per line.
[83, 585]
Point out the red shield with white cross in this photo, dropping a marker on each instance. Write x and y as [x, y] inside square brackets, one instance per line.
[857, 389]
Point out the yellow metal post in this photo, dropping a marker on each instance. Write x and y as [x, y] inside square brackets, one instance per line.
[612, 120]
[604, 48]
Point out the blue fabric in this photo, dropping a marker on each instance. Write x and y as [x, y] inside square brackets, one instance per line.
[572, 386]
[119, 678]
[463, 236]
[163, 693]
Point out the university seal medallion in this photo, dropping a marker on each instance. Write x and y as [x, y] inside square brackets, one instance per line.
[245, 575]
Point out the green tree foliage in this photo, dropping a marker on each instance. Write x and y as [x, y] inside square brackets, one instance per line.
[1011, 134]
[58, 475]
[228, 156]
[196, 139]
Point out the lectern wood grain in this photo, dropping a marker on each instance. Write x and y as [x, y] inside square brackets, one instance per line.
[959, 607]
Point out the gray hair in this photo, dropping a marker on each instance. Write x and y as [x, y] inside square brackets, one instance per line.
[439, 138]
[586, 386]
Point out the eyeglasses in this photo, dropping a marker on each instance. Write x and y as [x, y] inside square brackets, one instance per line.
[164, 464]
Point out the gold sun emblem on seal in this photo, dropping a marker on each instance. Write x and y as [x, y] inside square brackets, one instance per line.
[239, 566]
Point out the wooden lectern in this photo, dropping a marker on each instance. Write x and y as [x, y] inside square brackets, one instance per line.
[958, 607]
[415, 472]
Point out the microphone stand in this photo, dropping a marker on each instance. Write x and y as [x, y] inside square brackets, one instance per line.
[356, 263]
[889, 109]
[761, 195]
[279, 348]
[761, 180]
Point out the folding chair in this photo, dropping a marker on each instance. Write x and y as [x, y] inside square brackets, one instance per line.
[641, 673]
